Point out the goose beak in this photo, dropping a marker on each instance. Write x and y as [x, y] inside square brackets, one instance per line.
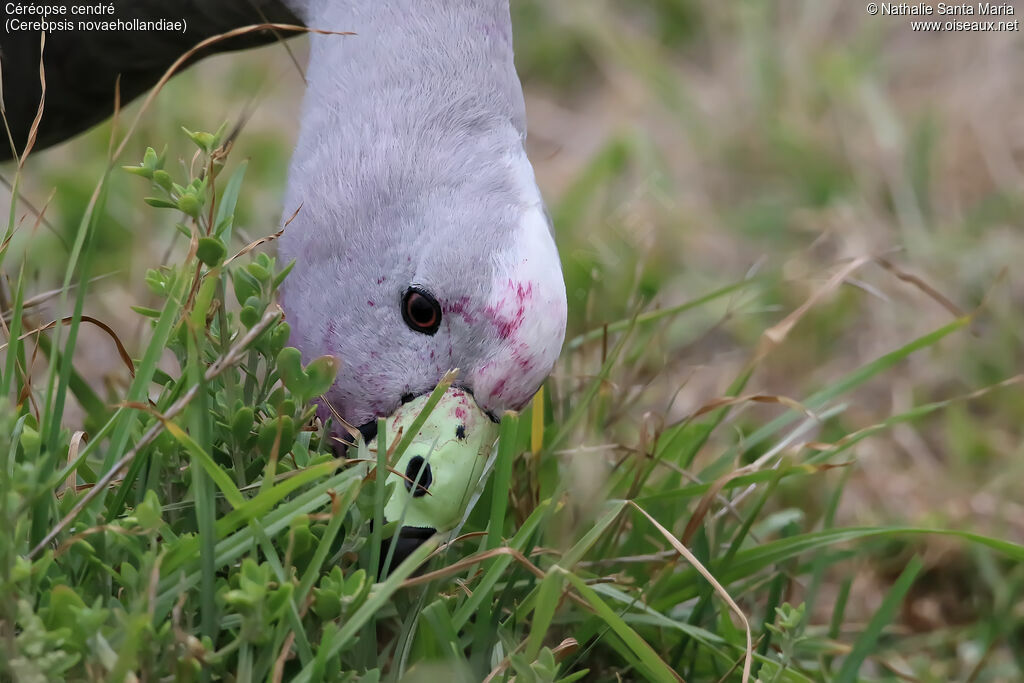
[433, 482]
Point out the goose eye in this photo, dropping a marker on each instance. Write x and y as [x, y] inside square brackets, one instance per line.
[421, 311]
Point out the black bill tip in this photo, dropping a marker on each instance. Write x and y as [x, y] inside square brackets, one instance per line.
[408, 539]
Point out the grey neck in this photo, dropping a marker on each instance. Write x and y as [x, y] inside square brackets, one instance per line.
[422, 83]
[462, 48]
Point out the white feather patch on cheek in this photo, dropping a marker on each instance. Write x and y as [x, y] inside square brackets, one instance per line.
[526, 308]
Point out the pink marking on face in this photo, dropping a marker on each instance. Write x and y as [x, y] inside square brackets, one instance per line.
[523, 359]
[370, 303]
[526, 323]
[508, 314]
[460, 307]
[381, 279]
[506, 327]
[330, 335]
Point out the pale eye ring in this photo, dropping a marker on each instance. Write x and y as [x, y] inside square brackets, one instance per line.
[421, 311]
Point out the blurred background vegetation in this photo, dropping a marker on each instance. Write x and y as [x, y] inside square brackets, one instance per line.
[684, 145]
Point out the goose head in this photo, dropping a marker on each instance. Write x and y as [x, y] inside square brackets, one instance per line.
[421, 242]
[419, 272]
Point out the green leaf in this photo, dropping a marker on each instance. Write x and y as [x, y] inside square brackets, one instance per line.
[259, 272]
[190, 204]
[242, 423]
[160, 203]
[280, 600]
[211, 251]
[204, 141]
[249, 316]
[163, 179]
[64, 606]
[289, 364]
[140, 171]
[245, 285]
[319, 375]
[147, 312]
[148, 512]
[150, 159]
[31, 442]
[279, 432]
[279, 278]
[279, 337]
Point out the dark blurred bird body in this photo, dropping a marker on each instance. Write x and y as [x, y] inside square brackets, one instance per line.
[82, 67]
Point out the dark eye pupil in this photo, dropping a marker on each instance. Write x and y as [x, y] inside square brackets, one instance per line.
[421, 311]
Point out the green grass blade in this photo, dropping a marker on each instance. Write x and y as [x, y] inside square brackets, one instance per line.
[750, 561]
[647, 660]
[502, 478]
[77, 262]
[654, 316]
[225, 219]
[202, 491]
[60, 366]
[485, 588]
[379, 499]
[96, 408]
[856, 378]
[436, 617]
[548, 596]
[583, 404]
[865, 644]
[206, 464]
[14, 344]
[263, 503]
[837, 617]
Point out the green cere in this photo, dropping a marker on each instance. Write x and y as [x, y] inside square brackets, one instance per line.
[445, 461]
